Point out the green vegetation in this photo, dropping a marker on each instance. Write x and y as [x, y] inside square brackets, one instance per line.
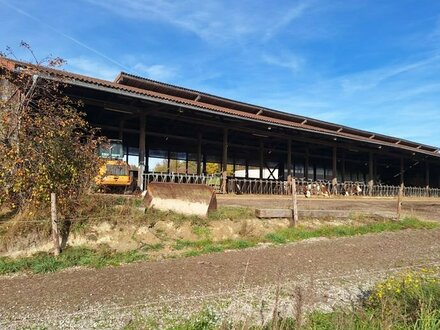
[295, 234]
[286, 235]
[81, 256]
[407, 301]
[78, 256]
[51, 150]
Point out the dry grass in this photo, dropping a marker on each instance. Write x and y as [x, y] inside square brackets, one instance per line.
[409, 301]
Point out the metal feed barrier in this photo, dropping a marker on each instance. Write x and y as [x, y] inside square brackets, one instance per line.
[280, 187]
[211, 180]
[324, 187]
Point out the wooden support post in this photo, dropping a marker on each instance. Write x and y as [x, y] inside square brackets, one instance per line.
[399, 201]
[335, 171]
[121, 130]
[307, 164]
[147, 160]
[233, 168]
[141, 160]
[169, 162]
[204, 164]
[199, 153]
[335, 164]
[343, 167]
[246, 174]
[370, 173]
[294, 218]
[224, 182]
[289, 157]
[427, 175]
[402, 171]
[224, 165]
[375, 165]
[54, 218]
[225, 150]
[186, 163]
[126, 154]
[261, 158]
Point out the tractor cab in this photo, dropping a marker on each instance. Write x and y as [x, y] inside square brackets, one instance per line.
[114, 174]
[112, 150]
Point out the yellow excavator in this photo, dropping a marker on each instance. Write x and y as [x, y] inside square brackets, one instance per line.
[114, 175]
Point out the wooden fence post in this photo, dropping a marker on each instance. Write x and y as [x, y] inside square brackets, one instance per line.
[54, 218]
[399, 202]
[224, 182]
[294, 218]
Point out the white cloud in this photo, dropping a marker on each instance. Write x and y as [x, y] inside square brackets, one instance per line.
[212, 20]
[372, 78]
[295, 12]
[91, 67]
[156, 71]
[292, 62]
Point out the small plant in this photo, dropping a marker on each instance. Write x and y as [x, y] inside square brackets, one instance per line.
[406, 301]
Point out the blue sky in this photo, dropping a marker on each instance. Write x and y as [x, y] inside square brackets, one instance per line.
[373, 65]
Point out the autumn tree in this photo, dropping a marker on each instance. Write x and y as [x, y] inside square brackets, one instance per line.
[45, 141]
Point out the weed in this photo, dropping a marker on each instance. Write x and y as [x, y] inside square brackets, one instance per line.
[201, 232]
[232, 213]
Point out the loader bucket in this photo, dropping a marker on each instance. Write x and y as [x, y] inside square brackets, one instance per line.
[191, 199]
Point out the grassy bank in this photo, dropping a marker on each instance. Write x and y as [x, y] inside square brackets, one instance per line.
[288, 235]
[82, 256]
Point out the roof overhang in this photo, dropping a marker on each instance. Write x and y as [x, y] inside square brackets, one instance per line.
[260, 115]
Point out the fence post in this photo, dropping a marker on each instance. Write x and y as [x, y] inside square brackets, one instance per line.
[55, 233]
[294, 218]
[399, 202]
[224, 180]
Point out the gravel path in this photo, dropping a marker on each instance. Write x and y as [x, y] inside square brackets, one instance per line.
[32, 299]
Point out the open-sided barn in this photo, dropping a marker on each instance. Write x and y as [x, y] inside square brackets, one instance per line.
[159, 120]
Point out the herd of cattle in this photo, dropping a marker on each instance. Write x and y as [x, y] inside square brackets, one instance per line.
[325, 189]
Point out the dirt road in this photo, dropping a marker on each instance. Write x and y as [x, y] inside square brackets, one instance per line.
[426, 208]
[37, 299]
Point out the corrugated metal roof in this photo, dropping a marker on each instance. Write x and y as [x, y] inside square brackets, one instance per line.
[177, 95]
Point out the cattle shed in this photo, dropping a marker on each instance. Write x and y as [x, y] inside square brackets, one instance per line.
[160, 120]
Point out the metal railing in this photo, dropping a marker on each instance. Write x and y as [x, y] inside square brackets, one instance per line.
[212, 180]
[281, 187]
[325, 188]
